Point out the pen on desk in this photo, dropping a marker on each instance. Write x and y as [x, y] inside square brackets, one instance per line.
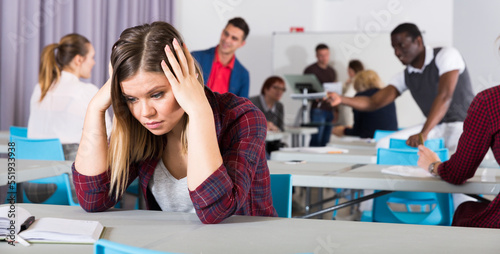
[421, 138]
[27, 223]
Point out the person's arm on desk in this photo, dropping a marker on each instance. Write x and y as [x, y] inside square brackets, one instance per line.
[364, 103]
[441, 104]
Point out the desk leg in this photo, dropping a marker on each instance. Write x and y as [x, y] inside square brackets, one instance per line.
[308, 200]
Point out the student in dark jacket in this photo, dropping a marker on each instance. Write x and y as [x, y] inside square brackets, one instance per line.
[367, 83]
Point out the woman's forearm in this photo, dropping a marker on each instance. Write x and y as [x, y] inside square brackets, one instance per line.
[203, 149]
[91, 158]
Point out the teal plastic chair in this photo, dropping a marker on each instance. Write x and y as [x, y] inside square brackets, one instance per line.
[281, 190]
[103, 246]
[379, 134]
[72, 200]
[425, 208]
[405, 157]
[18, 131]
[44, 149]
[433, 144]
[133, 189]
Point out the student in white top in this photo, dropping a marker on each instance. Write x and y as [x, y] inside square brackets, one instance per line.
[59, 101]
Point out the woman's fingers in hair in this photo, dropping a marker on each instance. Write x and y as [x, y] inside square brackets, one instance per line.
[190, 61]
[170, 76]
[182, 58]
[174, 64]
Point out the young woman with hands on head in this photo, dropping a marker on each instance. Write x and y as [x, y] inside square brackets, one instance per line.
[192, 149]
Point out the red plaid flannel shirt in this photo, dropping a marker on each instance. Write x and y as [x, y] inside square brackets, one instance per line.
[240, 186]
[481, 131]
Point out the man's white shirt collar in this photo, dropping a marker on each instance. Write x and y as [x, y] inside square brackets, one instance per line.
[429, 55]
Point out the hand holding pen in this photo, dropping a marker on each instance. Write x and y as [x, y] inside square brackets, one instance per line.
[415, 140]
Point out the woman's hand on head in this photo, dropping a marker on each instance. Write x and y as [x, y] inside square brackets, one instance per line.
[187, 90]
[102, 100]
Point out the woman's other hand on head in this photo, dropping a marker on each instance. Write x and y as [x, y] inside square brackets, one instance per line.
[102, 100]
[187, 90]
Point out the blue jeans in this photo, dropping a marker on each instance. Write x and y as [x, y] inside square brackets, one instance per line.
[324, 120]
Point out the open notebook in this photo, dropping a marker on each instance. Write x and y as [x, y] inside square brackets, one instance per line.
[47, 230]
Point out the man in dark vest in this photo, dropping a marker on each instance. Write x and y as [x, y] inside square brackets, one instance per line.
[437, 79]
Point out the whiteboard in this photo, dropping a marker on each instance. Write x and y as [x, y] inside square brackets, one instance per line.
[293, 52]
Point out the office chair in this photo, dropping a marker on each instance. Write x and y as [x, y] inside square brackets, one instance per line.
[433, 144]
[18, 131]
[44, 149]
[435, 208]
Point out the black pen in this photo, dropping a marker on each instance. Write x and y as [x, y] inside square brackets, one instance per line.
[27, 223]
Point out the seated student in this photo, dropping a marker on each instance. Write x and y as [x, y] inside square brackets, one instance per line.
[192, 149]
[345, 112]
[481, 132]
[269, 103]
[59, 100]
[367, 83]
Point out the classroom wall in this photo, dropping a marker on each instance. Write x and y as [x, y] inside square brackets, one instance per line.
[478, 40]
[201, 23]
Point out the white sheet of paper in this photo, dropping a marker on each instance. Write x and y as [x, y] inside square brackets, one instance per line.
[333, 87]
[407, 171]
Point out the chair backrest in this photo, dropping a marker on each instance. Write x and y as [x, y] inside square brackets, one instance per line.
[18, 131]
[424, 208]
[396, 207]
[38, 149]
[405, 157]
[381, 134]
[281, 189]
[44, 149]
[103, 246]
[433, 144]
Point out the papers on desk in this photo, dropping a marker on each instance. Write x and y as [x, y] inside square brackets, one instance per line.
[324, 149]
[335, 87]
[407, 171]
[309, 96]
[48, 230]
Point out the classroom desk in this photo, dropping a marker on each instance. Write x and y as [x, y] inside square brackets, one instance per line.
[27, 170]
[184, 233]
[275, 135]
[348, 176]
[352, 143]
[355, 155]
[357, 176]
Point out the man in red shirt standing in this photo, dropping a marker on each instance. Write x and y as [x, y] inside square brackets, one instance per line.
[222, 72]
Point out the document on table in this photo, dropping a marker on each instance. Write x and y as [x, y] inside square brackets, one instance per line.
[407, 171]
[335, 87]
[323, 149]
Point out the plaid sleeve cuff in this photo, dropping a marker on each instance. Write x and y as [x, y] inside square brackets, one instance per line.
[90, 184]
[213, 190]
